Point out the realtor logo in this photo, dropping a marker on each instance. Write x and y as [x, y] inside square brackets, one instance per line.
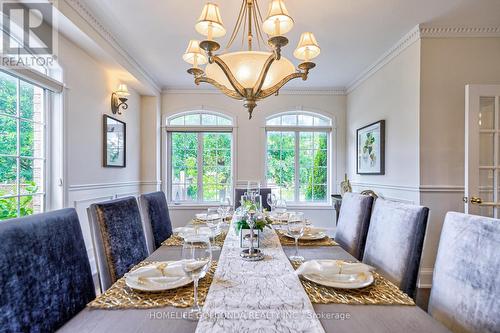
[28, 33]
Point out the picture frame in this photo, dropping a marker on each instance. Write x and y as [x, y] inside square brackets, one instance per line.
[370, 149]
[114, 143]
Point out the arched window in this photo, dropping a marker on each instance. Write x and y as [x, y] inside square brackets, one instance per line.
[200, 157]
[298, 156]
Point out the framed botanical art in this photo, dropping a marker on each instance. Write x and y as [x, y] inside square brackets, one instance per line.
[370, 143]
[114, 142]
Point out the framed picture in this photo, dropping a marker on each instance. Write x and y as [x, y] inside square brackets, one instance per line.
[114, 143]
[370, 145]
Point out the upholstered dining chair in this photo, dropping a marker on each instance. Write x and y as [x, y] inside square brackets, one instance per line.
[238, 192]
[395, 240]
[352, 226]
[465, 294]
[156, 219]
[46, 277]
[118, 237]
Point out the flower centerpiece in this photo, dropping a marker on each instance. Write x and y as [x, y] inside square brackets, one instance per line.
[241, 226]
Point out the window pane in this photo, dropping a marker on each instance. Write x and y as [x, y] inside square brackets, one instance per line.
[8, 176]
[306, 140]
[192, 119]
[223, 121]
[177, 121]
[184, 166]
[281, 163]
[321, 122]
[8, 94]
[216, 165]
[208, 119]
[289, 120]
[8, 136]
[304, 120]
[31, 98]
[274, 121]
[313, 166]
[8, 208]
[31, 139]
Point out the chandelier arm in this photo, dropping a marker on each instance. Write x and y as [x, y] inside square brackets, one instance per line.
[274, 89]
[262, 77]
[237, 25]
[221, 87]
[227, 71]
[258, 22]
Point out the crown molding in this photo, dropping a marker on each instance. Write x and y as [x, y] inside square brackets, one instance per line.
[417, 33]
[86, 14]
[340, 91]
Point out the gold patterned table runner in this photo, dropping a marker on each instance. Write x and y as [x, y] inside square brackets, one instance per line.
[119, 296]
[287, 241]
[176, 240]
[381, 292]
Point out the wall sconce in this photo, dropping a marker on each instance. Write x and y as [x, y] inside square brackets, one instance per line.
[119, 99]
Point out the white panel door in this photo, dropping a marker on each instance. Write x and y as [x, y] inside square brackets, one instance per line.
[482, 150]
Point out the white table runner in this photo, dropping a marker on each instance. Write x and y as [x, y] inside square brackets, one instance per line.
[263, 296]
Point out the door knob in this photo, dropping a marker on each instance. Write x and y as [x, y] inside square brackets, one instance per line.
[476, 200]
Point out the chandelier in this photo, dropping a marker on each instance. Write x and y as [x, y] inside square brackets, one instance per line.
[249, 75]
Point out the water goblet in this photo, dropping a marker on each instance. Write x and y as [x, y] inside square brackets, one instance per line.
[295, 227]
[196, 261]
[271, 200]
[213, 223]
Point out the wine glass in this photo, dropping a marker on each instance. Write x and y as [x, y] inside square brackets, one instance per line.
[225, 207]
[271, 200]
[280, 208]
[213, 223]
[296, 226]
[258, 202]
[196, 261]
[253, 189]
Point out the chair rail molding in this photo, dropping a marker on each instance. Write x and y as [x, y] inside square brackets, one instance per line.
[85, 187]
[417, 33]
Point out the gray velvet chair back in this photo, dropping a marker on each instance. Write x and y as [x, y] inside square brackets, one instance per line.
[156, 219]
[465, 294]
[118, 237]
[45, 278]
[238, 192]
[395, 240]
[352, 226]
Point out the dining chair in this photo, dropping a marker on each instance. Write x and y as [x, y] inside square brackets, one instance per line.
[465, 294]
[238, 192]
[46, 277]
[352, 226]
[395, 240]
[156, 219]
[118, 237]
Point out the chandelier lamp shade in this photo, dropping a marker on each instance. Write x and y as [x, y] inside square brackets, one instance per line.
[249, 75]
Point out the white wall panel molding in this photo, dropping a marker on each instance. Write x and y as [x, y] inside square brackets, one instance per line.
[85, 187]
[441, 188]
[386, 186]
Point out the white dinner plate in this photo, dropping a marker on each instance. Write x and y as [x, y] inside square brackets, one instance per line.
[204, 217]
[348, 280]
[151, 278]
[192, 231]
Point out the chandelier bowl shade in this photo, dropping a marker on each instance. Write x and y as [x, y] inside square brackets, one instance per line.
[247, 66]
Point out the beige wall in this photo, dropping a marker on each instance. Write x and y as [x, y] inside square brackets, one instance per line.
[390, 94]
[448, 64]
[250, 135]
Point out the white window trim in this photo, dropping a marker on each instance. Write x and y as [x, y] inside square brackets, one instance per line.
[166, 147]
[331, 143]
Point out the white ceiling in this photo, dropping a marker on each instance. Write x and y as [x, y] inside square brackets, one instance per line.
[352, 33]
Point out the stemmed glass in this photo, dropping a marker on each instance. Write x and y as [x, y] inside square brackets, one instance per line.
[213, 223]
[280, 209]
[271, 200]
[196, 261]
[296, 226]
[253, 189]
[224, 208]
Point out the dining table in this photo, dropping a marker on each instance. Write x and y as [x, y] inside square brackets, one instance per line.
[336, 318]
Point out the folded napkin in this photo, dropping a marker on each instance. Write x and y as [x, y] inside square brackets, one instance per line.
[332, 268]
[158, 273]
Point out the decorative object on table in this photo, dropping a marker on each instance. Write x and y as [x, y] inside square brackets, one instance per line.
[196, 260]
[345, 186]
[370, 143]
[295, 228]
[251, 253]
[120, 296]
[287, 241]
[114, 143]
[119, 99]
[380, 292]
[250, 75]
